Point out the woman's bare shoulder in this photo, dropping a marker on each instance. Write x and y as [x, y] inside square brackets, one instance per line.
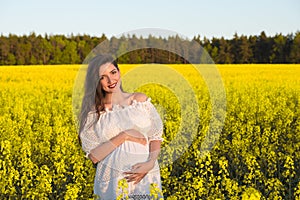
[139, 97]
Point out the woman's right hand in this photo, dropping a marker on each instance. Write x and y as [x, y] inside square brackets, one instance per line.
[135, 136]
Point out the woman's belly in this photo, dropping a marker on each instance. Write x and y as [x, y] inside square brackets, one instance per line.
[126, 155]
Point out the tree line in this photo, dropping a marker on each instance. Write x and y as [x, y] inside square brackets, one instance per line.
[60, 49]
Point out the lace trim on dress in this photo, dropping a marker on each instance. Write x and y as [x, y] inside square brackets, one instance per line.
[118, 107]
[138, 197]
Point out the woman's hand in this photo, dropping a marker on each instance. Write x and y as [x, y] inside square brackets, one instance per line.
[135, 136]
[139, 171]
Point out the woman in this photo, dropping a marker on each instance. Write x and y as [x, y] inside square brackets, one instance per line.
[120, 132]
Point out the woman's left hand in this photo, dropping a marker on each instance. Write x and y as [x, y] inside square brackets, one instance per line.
[139, 171]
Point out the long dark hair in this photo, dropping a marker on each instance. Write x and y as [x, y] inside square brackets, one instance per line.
[93, 92]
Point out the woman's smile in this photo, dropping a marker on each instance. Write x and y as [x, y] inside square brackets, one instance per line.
[112, 86]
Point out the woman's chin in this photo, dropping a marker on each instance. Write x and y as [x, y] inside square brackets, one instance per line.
[111, 90]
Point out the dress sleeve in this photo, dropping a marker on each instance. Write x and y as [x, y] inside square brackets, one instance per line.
[88, 136]
[156, 129]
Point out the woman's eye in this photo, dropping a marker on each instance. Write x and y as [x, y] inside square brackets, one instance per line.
[113, 72]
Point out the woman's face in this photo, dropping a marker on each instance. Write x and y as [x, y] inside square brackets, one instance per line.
[109, 77]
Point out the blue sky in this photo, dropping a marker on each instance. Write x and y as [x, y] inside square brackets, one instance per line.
[214, 18]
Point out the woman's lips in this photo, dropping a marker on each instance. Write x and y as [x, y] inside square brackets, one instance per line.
[112, 86]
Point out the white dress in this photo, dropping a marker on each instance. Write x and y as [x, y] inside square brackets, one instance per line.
[141, 116]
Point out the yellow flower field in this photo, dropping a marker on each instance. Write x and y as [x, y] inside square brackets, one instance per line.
[255, 156]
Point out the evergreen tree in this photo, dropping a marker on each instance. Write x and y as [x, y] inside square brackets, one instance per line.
[278, 49]
[224, 56]
[295, 49]
[263, 48]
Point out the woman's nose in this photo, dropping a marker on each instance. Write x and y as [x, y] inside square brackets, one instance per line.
[108, 79]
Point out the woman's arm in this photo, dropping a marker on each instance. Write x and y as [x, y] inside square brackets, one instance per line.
[104, 149]
[100, 152]
[154, 150]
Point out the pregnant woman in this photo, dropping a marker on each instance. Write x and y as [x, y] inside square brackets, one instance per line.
[120, 132]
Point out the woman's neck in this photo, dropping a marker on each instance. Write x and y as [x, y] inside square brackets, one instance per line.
[118, 97]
